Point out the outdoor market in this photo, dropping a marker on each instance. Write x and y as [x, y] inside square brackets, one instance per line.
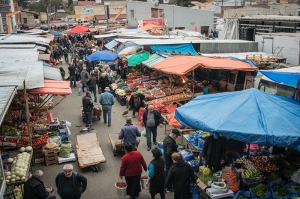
[239, 141]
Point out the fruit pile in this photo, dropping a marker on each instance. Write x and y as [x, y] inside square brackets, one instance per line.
[121, 184]
[264, 165]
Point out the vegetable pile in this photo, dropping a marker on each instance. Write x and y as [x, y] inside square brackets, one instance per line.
[295, 187]
[251, 173]
[279, 191]
[41, 141]
[65, 150]
[260, 191]
[264, 165]
[121, 184]
[275, 178]
[19, 168]
[242, 197]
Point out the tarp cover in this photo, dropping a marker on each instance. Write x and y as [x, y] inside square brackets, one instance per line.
[180, 65]
[287, 77]
[250, 116]
[78, 29]
[53, 87]
[174, 49]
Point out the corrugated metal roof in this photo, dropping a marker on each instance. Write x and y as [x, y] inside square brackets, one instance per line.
[44, 57]
[11, 56]
[52, 73]
[19, 39]
[17, 46]
[6, 95]
[153, 59]
[104, 36]
[111, 44]
[16, 73]
[154, 41]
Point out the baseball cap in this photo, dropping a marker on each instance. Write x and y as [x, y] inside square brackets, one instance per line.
[175, 131]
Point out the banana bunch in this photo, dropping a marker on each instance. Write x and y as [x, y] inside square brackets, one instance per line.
[251, 173]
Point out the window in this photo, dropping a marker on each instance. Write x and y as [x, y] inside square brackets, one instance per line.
[24, 20]
[132, 14]
[157, 13]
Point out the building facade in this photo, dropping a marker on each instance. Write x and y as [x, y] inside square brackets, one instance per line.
[29, 18]
[7, 6]
[174, 17]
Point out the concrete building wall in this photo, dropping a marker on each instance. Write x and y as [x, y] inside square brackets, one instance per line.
[251, 11]
[290, 47]
[176, 16]
[89, 11]
[27, 19]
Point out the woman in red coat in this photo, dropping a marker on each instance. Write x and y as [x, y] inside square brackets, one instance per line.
[131, 168]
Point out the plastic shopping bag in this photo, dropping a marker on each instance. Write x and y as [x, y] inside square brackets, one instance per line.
[143, 133]
[194, 192]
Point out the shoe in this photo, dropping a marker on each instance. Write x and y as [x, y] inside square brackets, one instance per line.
[137, 194]
[170, 190]
[155, 143]
[109, 125]
[79, 94]
[104, 122]
[133, 116]
[148, 149]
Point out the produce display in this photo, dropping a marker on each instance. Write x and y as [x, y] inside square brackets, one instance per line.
[260, 190]
[9, 131]
[169, 99]
[12, 114]
[65, 150]
[251, 173]
[242, 197]
[18, 169]
[41, 141]
[295, 188]
[275, 178]
[248, 164]
[121, 184]
[279, 191]
[219, 184]
[264, 165]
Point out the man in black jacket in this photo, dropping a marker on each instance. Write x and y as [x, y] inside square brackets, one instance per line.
[34, 188]
[70, 185]
[170, 147]
[91, 83]
[88, 106]
[152, 118]
[181, 175]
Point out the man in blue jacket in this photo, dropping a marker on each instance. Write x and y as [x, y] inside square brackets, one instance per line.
[129, 133]
[107, 100]
[152, 118]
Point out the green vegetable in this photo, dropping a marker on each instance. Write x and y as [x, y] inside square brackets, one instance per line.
[295, 187]
[260, 191]
[53, 134]
[208, 178]
[219, 184]
[275, 178]
[40, 122]
[279, 191]
[65, 150]
[242, 197]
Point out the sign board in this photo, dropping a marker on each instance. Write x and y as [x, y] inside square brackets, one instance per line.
[88, 10]
[55, 21]
[157, 22]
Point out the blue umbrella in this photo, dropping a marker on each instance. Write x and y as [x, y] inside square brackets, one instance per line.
[55, 33]
[103, 55]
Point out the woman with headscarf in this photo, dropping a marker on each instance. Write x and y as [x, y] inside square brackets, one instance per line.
[102, 82]
[156, 174]
[131, 168]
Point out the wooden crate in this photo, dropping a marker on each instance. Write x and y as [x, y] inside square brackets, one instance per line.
[51, 158]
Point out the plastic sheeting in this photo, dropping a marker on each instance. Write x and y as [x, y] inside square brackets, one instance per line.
[168, 50]
[288, 78]
[250, 116]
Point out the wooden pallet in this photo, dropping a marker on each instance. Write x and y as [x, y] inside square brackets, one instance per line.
[51, 158]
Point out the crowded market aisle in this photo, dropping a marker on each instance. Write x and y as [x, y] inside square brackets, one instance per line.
[101, 185]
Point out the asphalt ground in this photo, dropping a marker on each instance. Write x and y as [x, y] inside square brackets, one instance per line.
[101, 185]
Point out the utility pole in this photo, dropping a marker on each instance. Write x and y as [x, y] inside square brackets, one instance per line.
[106, 8]
[47, 4]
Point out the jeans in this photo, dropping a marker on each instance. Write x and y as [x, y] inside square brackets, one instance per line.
[88, 118]
[72, 78]
[81, 87]
[148, 134]
[93, 90]
[66, 58]
[106, 111]
[51, 196]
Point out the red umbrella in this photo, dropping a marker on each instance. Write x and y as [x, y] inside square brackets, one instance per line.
[78, 29]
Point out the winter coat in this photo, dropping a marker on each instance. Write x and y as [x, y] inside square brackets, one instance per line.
[181, 175]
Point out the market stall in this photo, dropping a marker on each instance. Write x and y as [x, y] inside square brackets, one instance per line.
[257, 118]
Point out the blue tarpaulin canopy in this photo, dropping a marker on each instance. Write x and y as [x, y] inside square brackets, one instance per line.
[250, 116]
[174, 49]
[288, 76]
